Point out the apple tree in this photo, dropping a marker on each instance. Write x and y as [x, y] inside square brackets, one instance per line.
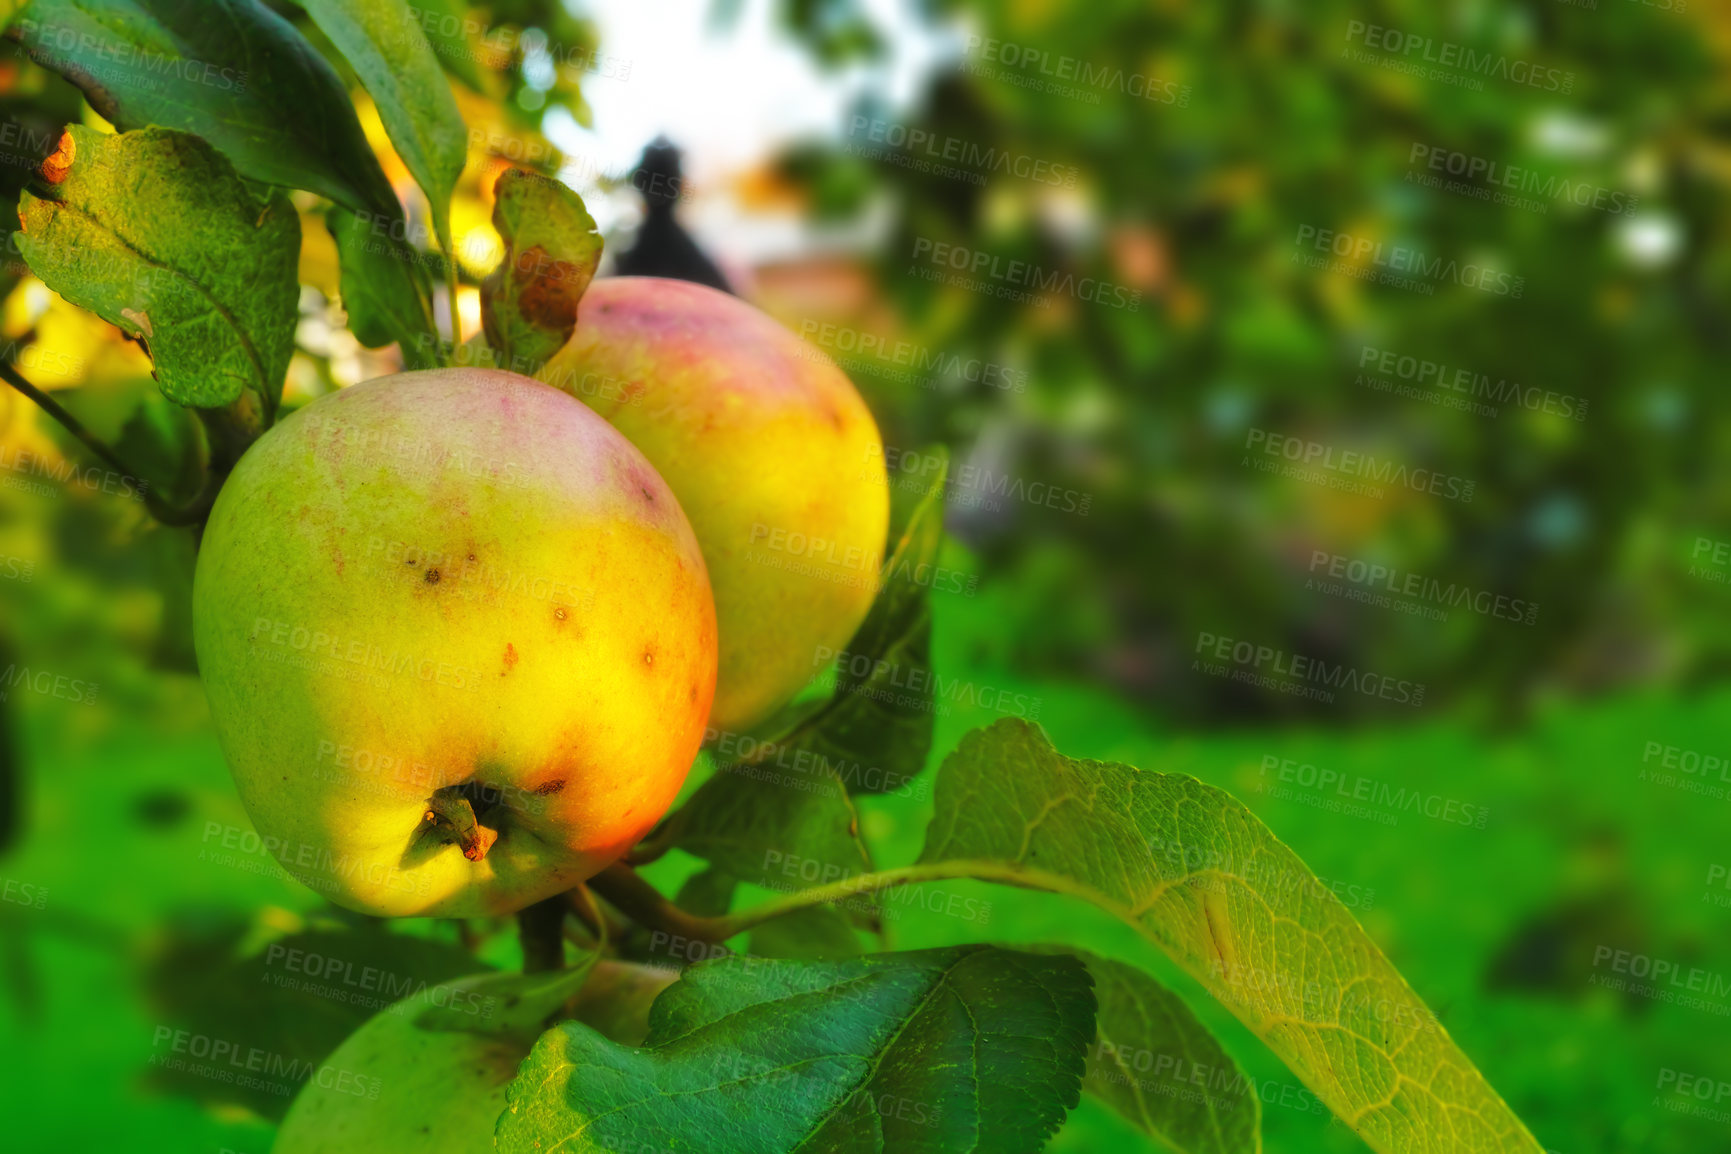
[795, 1026]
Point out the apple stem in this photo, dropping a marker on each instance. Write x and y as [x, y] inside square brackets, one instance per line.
[453, 819]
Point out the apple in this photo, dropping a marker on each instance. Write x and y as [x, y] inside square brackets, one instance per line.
[396, 1085]
[413, 1079]
[457, 639]
[428, 1075]
[773, 455]
[616, 998]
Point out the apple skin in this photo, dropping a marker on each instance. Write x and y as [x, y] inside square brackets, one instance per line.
[441, 1091]
[454, 580]
[773, 455]
[395, 1085]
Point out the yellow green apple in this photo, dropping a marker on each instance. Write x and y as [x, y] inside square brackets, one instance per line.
[411, 1085]
[457, 639]
[773, 455]
[428, 1075]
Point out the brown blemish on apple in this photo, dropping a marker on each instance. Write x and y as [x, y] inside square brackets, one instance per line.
[648, 656]
[432, 577]
[559, 613]
[547, 788]
[510, 658]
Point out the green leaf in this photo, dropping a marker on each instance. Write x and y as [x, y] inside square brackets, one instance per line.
[519, 1007]
[1198, 875]
[874, 726]
[232, 71]
[966, 1049]
[552, 248]
[783, 829]
[783, 816]
[1156, 1064]
[154, 232]
[386, 286]
[382, 40]
[814, 932]
[161, 441]
[707, 893]
[452, 30]
[295, 998]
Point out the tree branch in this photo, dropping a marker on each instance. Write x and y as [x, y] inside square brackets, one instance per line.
[167, 514]
[541, 927]
[646, 905]
[727, 926]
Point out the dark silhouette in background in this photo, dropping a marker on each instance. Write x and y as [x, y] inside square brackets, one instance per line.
[663, 248]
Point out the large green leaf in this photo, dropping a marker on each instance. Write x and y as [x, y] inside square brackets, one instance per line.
[1159, 1067]
[232, 71]
[154, 232]
[966, 1049]
[1197, 874]
[382, 40]
[386, 286]
[552, 248]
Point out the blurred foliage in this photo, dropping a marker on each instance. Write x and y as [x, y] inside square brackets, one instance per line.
[1263, 123]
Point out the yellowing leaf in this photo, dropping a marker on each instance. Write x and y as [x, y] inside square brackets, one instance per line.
[1197, 874]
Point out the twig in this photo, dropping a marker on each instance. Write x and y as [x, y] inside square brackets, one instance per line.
[647, 906]
[583, 904]
[541, 927]
[725, 927]
[655, 846]
[167, 514]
